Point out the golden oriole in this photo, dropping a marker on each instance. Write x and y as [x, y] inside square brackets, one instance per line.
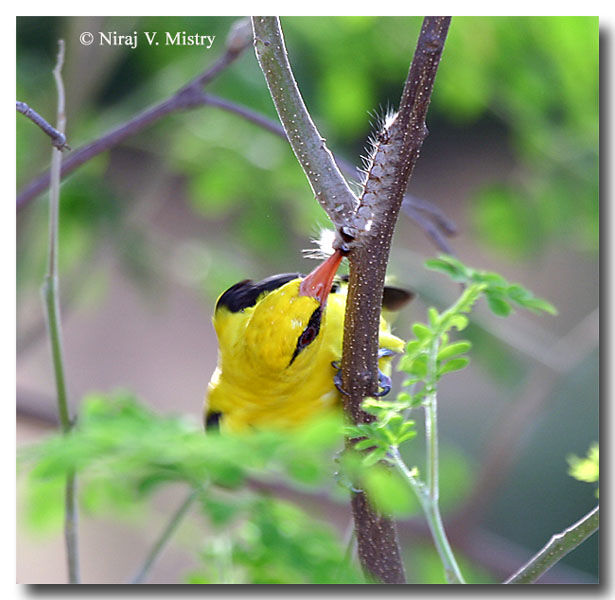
[280, 341]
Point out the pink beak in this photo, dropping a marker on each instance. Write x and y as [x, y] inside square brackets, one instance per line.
[318, 283]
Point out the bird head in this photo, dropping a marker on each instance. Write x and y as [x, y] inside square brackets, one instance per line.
[284, 328]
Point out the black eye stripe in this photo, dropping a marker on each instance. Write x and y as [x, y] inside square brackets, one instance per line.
[309, 333]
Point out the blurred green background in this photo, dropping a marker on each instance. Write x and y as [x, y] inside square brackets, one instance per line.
[155, 229]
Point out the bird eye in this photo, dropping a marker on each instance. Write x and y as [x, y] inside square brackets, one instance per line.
[308, 335]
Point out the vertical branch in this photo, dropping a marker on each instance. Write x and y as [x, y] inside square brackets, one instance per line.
[54, 326]
[392, 163]
[371, 222]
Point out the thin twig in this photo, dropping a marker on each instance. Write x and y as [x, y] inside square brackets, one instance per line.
[435, 224]
[434, 519]
[189, 96]
[557, 547]
[166, 534]
[446, 225]
[432, 507]
[328, 184]
[427, 216]
[391, 163]
[58, 139]
[52, 309]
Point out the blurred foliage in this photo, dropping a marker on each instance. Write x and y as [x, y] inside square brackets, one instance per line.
[278, 543]
[119, 439]
[540, 77]
[123, 453]
[423, 559]
[586, 469]
[536, 76]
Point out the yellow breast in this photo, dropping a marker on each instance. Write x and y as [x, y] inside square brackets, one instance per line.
[259, 382]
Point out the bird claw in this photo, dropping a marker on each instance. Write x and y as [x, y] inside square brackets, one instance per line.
[382, 352]
[337, 379]
[384, 381]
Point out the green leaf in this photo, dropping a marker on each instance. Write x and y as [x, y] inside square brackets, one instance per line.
[434, 317]
[412, 347]
[460, 322]
[497, 304]
[389, 492]
[220, 510]
[404, 437]
[444, 267]
[421, 331]
[417, 367]
[404, 397]
[455, 364]
[364, 444]
[525, 298]
[538, 305]
[493, 280]
[449, 266]
[374, 456]
[44, 504]
[518, 293]
[460, 347]
[586, 469]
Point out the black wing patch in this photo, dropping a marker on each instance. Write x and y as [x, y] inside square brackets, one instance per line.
[212, 420]
[245, 293]
[394, 298]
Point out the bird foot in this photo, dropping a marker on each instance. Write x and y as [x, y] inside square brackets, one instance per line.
[384, 381]
[337, 379]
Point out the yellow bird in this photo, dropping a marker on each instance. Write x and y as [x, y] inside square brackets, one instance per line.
[280, 341]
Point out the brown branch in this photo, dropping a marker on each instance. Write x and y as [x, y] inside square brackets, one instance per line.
[387, 178]
[58, 139]
[189, 96]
